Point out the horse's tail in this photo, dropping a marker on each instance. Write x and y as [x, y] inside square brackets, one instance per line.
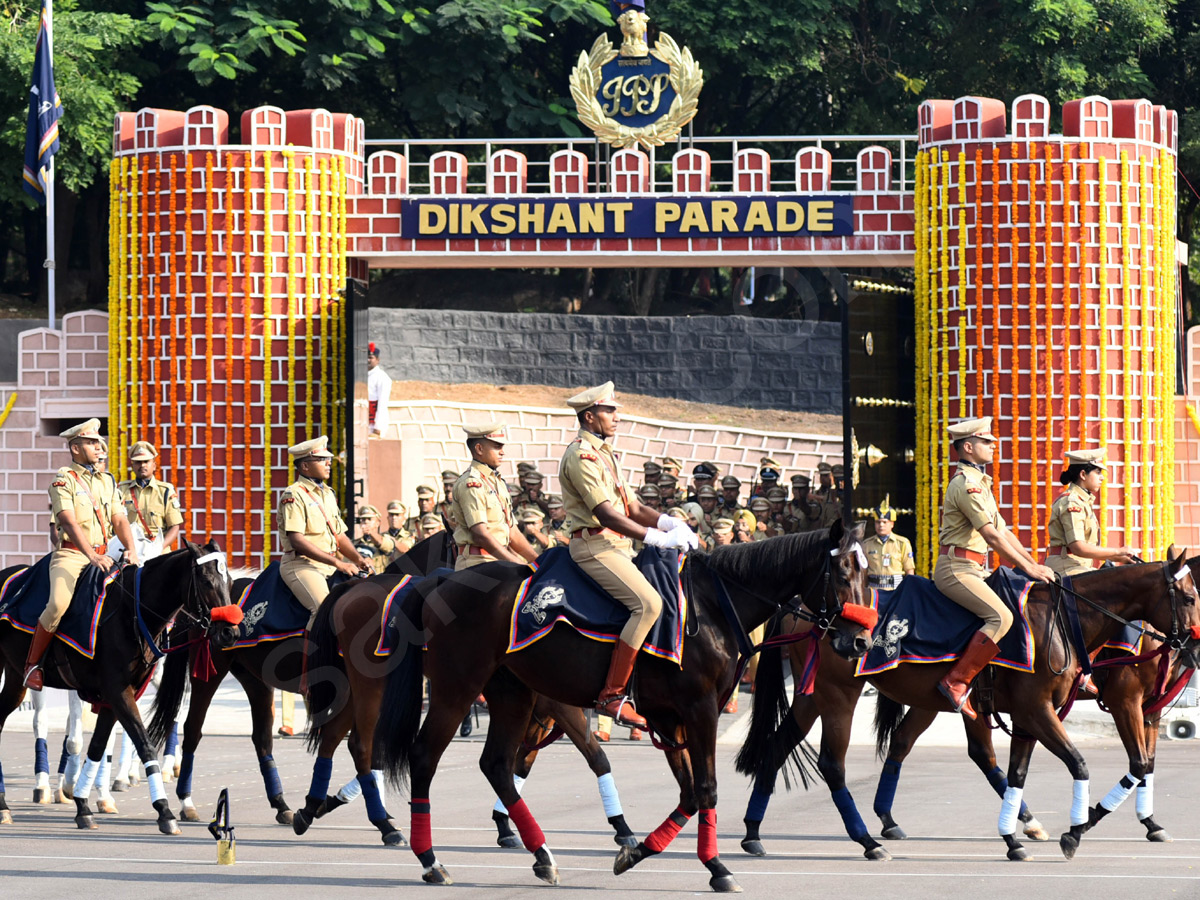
[171, 691]
[773, 741]
[400, 712]
[888, 716]
[326, 687]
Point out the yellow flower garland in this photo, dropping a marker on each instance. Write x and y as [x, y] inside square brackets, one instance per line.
[247, 358]
[209, 333]
[944, 355]
[961, 297]
[311, 300]
[1150, 432]
[1035, 323]
[268, 375]
[324, 232]
[1127, 464]
[186, 487]
[1102, 404]
[114, 220]
[289, 156]
[117, 428]
[920, 306]
[118, 462]
[228, 166]
[978, 181]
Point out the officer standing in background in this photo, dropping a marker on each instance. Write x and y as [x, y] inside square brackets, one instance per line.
[531, 492]
[651, 496]
[397, 516]
[731, 497]
[650, 472]
[379, 390]
[824, 481]
[375, 546]
[149, 503]
[889, 555]
[426, 497]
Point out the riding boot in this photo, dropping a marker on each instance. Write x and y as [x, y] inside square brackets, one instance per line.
[613, 700]
[33, 662]
[956, 684]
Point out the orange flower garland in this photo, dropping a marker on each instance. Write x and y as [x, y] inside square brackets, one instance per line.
[1035, 318]
[162, 288]
[208, 342]
[995, 304]
[1065, 411]
[1084, 317]
[188, 384]
[229, 295]
[247, 359]
[978, 180]
[144, 324]
[172, 353]
[1048, 454]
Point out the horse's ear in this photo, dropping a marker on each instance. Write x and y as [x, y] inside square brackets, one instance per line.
[836, 532]
[857, 532]
[1171, 557]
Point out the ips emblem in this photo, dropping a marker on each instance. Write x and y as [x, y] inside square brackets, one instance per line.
[636, 95]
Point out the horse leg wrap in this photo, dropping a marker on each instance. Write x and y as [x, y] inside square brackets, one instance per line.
[41, 757]
[183, 789]
[850, 817]
[706, 845]
[756, 809]
[660, 838]
[421, 831]
[349, 791]
[1079, 801]
[999, 783]
[322, 770]
[370, 791]
[74, 764]
[102, 777]
[266, 765]
[1008, 811]
[527, 826]
[885, 793]
[1120, 792]
[1145, 797]
[87, 776]
[172, 745]
[64, 757]
[518, 783]
[2, 791]
[154, 781]
[609, 796]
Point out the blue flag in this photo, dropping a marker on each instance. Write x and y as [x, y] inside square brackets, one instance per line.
[45, 109]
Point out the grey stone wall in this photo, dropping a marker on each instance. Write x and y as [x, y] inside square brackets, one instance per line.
[731, 360]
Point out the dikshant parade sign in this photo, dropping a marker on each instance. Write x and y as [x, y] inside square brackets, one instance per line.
[779, 215]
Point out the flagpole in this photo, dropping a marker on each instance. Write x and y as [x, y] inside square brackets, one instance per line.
[49, 264]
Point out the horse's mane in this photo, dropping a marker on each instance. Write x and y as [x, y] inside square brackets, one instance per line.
[774, 560]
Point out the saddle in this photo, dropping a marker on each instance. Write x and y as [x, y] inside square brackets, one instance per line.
[270, 611]
[560, 591]
[24, 595]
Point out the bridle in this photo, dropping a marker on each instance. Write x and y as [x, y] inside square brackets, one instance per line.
[192, 614]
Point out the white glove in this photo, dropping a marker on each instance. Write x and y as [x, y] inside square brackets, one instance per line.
[669, 523]
[678, 539]
[656, 538]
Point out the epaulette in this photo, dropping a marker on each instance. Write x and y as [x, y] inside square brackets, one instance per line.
[590, 456]
[287, 498]
[1074, 509]
[58, 484]
[975, 490]
[474, 484]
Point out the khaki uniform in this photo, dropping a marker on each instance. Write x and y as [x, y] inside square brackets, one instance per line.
[402, 541]
[1072, 518]
[412, 526]
[155, 506]
[480, 498]
[589, 475]
[446, 511]
[310, 509]
[888, 560]
[94, 500]
[382, 551]
[969, 506]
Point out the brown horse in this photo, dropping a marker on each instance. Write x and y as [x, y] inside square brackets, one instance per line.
[1161, 594]
[464, 625]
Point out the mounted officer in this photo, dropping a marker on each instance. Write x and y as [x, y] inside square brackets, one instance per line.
[487, 529]
[150, 503]
[971, 524]
[87, 511]
[311, 530]
[1073, 529]
[889, 555]
[604, 521]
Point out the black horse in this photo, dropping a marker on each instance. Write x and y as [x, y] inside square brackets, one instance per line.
[464, 622]
[188, 584]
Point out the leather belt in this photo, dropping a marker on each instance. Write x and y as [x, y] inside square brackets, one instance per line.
[590, 532]
[67, 545]
[1060, 551]
[472, 550]
[963, 553]
[884, 582]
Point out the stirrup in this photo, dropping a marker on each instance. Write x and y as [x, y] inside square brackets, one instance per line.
[34, 674]
[964, 707]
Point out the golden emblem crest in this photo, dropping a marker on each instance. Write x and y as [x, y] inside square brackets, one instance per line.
[636, 95]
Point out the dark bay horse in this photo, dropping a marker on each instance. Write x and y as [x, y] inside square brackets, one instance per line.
[464, 623]
[188, 584]
[1161, 594]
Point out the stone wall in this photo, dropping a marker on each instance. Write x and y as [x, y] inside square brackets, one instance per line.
[797, 365]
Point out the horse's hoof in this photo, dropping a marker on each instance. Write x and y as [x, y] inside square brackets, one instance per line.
[509, 842]
[625, 861]
[189, 814]
[1159, 837]
[168, 826]
[893, 833]
[626, 840]
[120, 786]
[134, 779]
[301, 819]
[167, 778]
[394, 838]
[548, 872]
[754, 847]
[877, 854]
[106, 806]
[60, 796]
[5, 817]
[178, 768]
[436, 875]
[724, 884]
[1035, 832]
[85, 823]
[1068, 844]
[284, 817]
[1018, 854]
[41, 795]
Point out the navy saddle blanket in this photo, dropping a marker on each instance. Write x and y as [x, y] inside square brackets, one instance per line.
[560, 591]
[270, 612]
[389, 618]
[25, 594]
[918, 624]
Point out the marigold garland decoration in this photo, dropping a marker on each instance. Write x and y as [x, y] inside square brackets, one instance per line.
[961, 293]
[189, 434]
[176, 451]
[268, 369]
[247, 357]
[209, 331]
[1035, 320]
[290, 158]
[1102, 405]
[229, 300]
[145, 315]
[978, 282]
[1048, 453]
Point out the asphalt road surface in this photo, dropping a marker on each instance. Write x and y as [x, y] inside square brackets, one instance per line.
[943, 803]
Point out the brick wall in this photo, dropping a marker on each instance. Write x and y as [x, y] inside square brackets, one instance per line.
[707, 359]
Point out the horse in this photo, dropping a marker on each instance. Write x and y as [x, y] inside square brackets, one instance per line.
[730, 591]
[1163, 594]
[191, 583]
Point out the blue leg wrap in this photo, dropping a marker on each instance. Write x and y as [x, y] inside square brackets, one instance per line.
[322, 770]
[172, 741]
[270, 775]
[1000, 784]
[1, 779]
[183, 787]
[41, 757]
[756, 809]
[62, 760]
[375, 810]
[885, 793]
[849, 812]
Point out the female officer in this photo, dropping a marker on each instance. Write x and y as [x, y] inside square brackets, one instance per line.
[1073, 529]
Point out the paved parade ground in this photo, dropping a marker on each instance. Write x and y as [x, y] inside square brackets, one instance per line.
[943, 803]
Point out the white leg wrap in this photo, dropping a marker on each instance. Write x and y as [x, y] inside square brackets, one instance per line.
[608, 795]
[350, 791]
[41, 728]
[1010, 807]
[1120, 791]
[102, 782]
[1145, 797]
[43, 781]
[379, 785]
[126, 757]
[71, 775]
[87, 775]
[188, 803]
[518, 783]
[1079, 801]
[155, 781]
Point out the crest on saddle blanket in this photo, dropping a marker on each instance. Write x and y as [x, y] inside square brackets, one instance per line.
[560, 591]
[918, 624]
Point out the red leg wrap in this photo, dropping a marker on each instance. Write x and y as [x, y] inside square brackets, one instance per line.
[421, 832]
[706, 849]
[527, 826]
[660, 838]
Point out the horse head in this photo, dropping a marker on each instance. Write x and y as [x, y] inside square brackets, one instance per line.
[1184, 631]
[210, 585]
[850, 628]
